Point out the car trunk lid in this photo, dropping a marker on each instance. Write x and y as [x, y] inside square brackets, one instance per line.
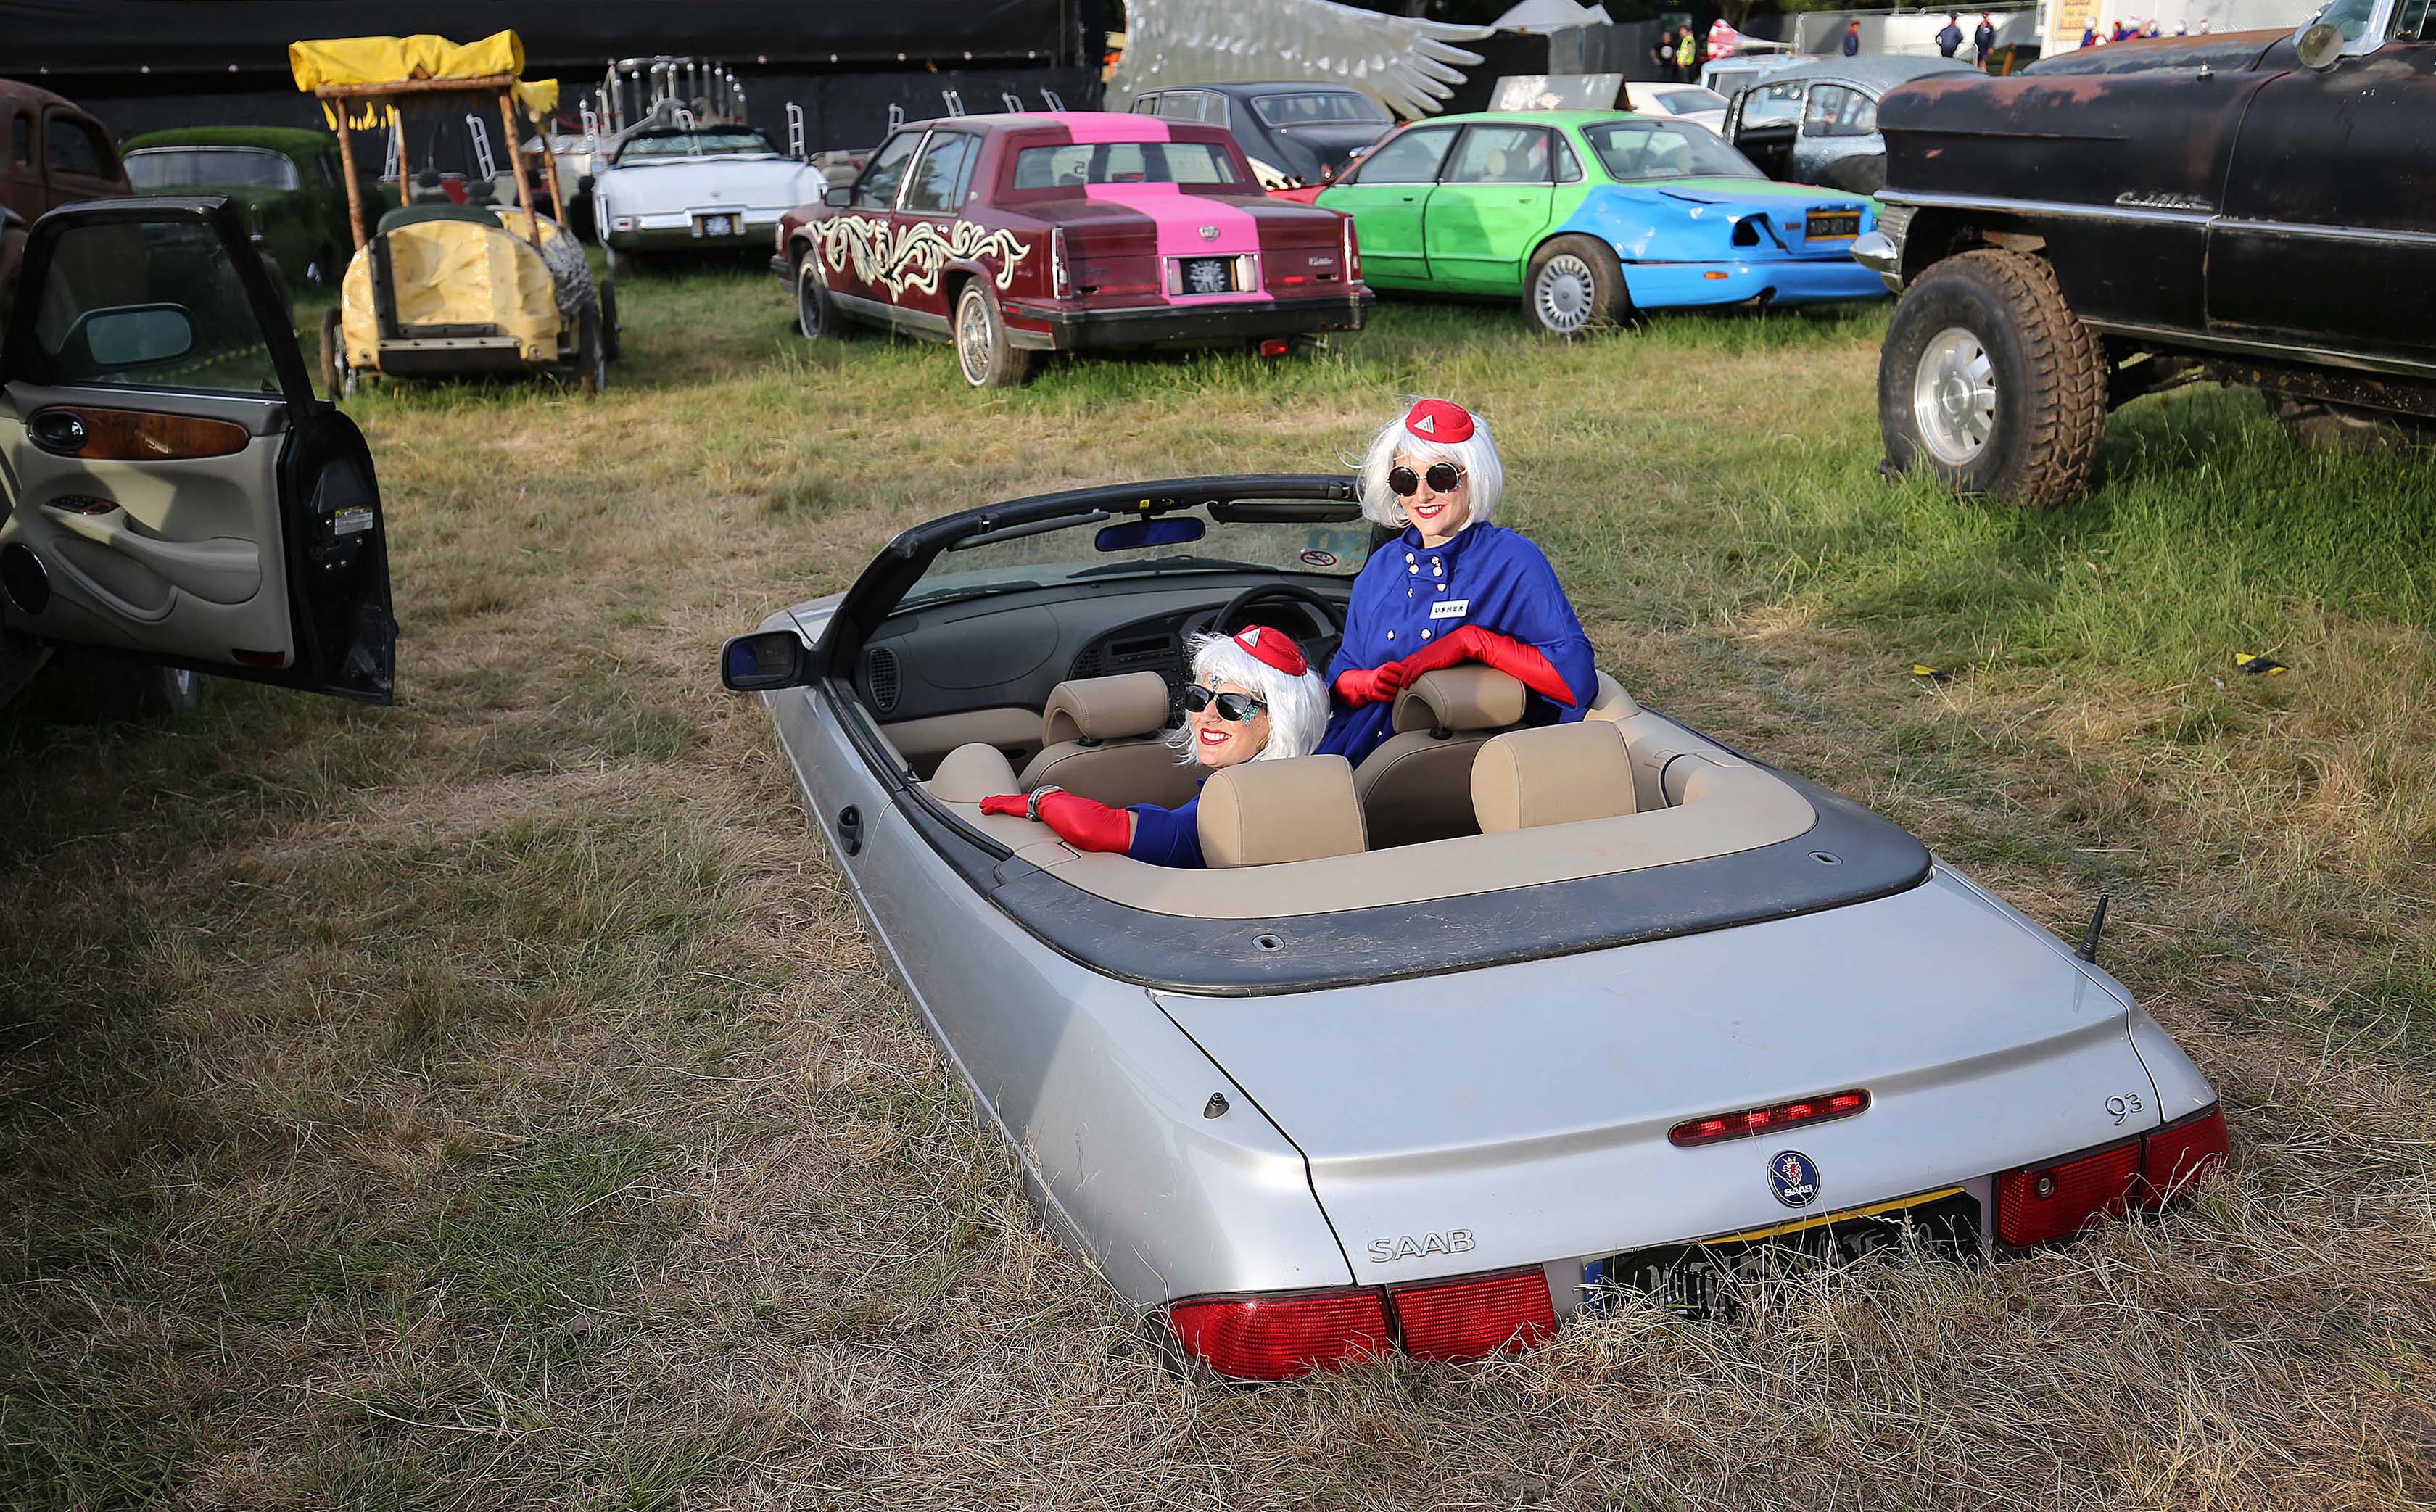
[1527, 1106]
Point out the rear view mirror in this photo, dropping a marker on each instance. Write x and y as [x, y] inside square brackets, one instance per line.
[838, 198]
[764, 662]
[1135, 535]
[126, 337]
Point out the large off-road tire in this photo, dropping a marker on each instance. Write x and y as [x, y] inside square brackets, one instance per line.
[105, 690]
[1989, 383]
[816, 314]
[986, 358]
[333, 355]
[1575, 286]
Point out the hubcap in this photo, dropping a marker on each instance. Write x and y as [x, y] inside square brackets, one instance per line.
[1564, 293]
[1954, 397]
[973, 338]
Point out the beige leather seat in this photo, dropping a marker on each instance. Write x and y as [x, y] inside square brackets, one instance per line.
[970, 773]
[1260, 813]
[1101, 736]
[1556, 775]
[1417, 786]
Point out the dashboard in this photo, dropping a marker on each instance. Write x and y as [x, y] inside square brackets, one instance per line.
[1014, 649]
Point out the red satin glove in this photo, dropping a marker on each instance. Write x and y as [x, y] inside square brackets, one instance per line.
[1526, 665]
[1078, 820]
[1371, 685]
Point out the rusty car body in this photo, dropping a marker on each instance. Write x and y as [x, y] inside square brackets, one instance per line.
[2251, 208]
[1009, 235]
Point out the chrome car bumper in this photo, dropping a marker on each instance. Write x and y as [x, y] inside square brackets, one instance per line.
[1883, 255]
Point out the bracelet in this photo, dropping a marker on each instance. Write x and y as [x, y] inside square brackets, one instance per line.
[1031, 800]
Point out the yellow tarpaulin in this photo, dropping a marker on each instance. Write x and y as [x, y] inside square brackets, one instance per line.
[390, 59]
[454, 272]
[537, 97]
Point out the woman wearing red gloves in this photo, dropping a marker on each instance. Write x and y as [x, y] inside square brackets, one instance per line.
[1455, 588]
[1254, 697]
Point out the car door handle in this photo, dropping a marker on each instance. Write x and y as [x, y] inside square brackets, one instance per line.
[849, 828]
[57, 430]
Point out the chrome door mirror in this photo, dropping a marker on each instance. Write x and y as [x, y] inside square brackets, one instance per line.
[765, 660]
[2321, 47]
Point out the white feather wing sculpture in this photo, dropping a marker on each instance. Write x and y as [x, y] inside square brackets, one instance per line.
[1410, 66]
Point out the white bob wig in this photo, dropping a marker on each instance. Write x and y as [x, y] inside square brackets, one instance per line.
[1484, 473]
[1297, 706]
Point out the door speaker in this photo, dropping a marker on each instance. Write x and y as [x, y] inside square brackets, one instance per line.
[23, 580]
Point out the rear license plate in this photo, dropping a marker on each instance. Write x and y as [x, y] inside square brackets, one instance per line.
[1208, 275]
[714, 225]
[1831, 225]
[1705, 1278]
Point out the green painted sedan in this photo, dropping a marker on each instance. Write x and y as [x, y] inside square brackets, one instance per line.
[1588, 215]
[288, 180]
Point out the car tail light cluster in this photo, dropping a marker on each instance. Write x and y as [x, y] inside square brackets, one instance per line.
[2043, 1202]
[1774, 1119]
[1061, 277]
[1269, 1338]
[1352, 251]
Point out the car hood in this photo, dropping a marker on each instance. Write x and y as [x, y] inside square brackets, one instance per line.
[2230, 52]
[1528, 1106]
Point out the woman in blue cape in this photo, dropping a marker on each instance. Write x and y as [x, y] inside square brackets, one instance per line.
[1452, 588]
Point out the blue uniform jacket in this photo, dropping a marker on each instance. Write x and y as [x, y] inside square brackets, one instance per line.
[1408, 595]
[1167, 837]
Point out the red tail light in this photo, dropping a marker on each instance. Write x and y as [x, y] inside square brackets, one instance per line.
[1352, 253]
[1269, 1338]
[2182, 1154]
[1771, 1119]
[1481, 1316]
[2040, 1203]
[1274, 346]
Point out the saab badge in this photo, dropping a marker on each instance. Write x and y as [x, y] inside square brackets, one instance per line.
[1793, 1177]
[1209, 233]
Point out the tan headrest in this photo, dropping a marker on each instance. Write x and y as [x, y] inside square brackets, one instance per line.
[1556, 775]
[970, 773]
[1104, 708]
[1460, 698]
[1297, 810]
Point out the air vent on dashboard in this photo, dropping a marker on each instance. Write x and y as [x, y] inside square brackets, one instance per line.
[880, 678]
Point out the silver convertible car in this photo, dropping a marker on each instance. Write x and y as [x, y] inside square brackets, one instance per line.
[1501, 1027]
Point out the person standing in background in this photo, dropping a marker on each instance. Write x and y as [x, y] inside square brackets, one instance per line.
[1949, 37]
[1983, 39]
[1687, 55]
[1851, 39]
[1662, 55]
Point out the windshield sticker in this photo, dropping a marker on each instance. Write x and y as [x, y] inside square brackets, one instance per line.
[913, 256]
[1317, 558]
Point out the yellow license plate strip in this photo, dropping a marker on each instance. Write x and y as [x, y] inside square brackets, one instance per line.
[1874, 1210]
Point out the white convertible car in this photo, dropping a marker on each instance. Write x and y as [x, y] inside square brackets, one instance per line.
[1503, 1025]
[709, 188]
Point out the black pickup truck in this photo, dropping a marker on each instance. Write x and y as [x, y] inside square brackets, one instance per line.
[2256, 208]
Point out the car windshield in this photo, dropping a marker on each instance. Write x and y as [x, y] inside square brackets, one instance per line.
[1081, 550]
[1643, 151]
[1075, 166]
[1317, 107]
[183, 167]
[1690, 101]
[725, 143]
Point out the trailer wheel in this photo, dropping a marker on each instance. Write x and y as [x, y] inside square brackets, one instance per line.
[591, 355]
[1990, 384]
[612, 342]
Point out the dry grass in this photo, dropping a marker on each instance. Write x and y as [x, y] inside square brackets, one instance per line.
[495, 1102]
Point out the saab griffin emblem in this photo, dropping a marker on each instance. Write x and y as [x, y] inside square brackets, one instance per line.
[1209, 233]
[1793, 1177]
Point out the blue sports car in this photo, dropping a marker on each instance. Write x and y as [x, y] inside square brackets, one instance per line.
[1591, 215]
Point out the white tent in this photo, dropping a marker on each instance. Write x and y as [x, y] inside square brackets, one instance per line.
[1552, 15]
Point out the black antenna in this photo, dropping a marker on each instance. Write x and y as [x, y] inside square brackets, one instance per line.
[2088, 950]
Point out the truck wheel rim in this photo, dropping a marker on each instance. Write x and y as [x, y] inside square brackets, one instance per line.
[973, 340]
[1563, 295]
[1954, 397]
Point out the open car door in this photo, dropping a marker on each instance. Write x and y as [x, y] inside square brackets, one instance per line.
[170, 488]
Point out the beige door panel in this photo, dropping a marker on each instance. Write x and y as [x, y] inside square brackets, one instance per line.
[151, 541]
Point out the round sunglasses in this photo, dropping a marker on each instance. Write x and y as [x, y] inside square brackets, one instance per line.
[1236, 706]
[1403, 483]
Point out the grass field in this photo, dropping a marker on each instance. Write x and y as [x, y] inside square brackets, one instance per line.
[493, 1101]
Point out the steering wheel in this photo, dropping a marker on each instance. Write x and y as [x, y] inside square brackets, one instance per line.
[1319, 652]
